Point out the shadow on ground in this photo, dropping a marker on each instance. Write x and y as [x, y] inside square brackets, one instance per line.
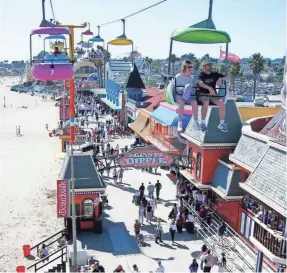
[115, 239]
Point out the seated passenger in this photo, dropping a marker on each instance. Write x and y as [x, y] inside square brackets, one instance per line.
[99, 53]
[92, 54]
[183, 91]
[56, 51]
[207, 82]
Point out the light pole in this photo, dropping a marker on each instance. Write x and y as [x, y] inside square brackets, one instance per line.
[72, 139]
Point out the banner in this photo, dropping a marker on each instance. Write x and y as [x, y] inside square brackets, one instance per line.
[148, 156]
[64, 108]
[230, 56]
[62, 198]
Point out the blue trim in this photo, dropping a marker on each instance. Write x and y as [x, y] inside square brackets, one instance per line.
[55, 37]
[168, 117]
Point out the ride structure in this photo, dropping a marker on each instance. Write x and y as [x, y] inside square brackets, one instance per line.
[100, 63]
[201, 33]
[120, 66]
[53, 67]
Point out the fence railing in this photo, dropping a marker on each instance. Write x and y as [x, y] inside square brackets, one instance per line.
[60, 253]
[47, 239]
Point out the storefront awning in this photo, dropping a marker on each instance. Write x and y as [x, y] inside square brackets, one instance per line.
[139, 124]
[191, 179]
[145, 133]
[168, 117]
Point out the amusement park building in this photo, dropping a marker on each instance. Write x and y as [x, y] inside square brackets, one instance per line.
[261, 158]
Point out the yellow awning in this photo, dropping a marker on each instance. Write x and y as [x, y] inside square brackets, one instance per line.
[120, 41]
[145, 133]
[139, 124]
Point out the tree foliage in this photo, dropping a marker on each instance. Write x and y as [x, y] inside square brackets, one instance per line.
[256, 63]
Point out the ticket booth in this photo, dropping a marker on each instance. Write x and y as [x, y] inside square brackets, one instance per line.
[89, 185]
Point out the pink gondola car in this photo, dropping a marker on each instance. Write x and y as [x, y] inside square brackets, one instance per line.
[53, 67]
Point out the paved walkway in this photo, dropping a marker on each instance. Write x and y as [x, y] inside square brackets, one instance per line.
[117, 244]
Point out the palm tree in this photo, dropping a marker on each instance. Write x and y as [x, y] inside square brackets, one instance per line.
[256, 63]
[173, 59]
[234, 70]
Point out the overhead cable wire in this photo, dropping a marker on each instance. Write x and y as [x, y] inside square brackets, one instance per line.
[52, 10]
[137, 12]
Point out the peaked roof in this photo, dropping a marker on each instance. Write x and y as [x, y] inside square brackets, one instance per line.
[213, 134]
[268, 181]
[248, 152]
[85, 171]
[134, 79]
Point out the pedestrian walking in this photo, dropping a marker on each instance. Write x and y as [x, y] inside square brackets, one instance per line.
[141, 189]
[150, 189]
[157, 189]
[172, 229]
[194, 266]
[137, 228]
[135, 268]
[207, 261]
[141, 213]
[153, 203]
[160, 268]
[221, 263]
[221, 230]
[158, 231]
[149, 213]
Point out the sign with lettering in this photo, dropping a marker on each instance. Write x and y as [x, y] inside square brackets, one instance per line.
[81, 139]
[148, 156]
[62, 198]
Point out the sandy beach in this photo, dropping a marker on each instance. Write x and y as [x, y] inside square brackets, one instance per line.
[28, 170]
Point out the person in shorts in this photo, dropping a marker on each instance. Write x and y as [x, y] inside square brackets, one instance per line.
[184, 92]
[207, 82]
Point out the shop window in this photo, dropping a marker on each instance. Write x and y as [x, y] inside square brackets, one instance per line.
[198, 165]
[88, 208]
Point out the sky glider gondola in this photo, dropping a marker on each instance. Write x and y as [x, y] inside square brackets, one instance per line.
[197, 34]
[55, 66]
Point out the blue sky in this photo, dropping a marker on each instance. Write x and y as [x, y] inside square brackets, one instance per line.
[254, 25]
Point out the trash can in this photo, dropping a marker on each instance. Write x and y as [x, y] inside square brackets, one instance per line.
[26, 250]
[21, 268]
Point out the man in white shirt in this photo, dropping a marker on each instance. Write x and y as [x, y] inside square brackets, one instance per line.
[160, 267]
[208, 261]
[150, 189]
[199, 197]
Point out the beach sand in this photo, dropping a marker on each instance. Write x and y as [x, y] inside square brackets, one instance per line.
[29, 168]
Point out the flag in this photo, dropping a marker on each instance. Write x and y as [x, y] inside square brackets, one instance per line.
[230, 56]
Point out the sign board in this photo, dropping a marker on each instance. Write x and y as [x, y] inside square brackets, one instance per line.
[62, 198]
[64, 109]
[81, 139]
[148, 156]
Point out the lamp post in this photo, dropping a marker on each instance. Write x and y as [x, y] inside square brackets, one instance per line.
[72, 139]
